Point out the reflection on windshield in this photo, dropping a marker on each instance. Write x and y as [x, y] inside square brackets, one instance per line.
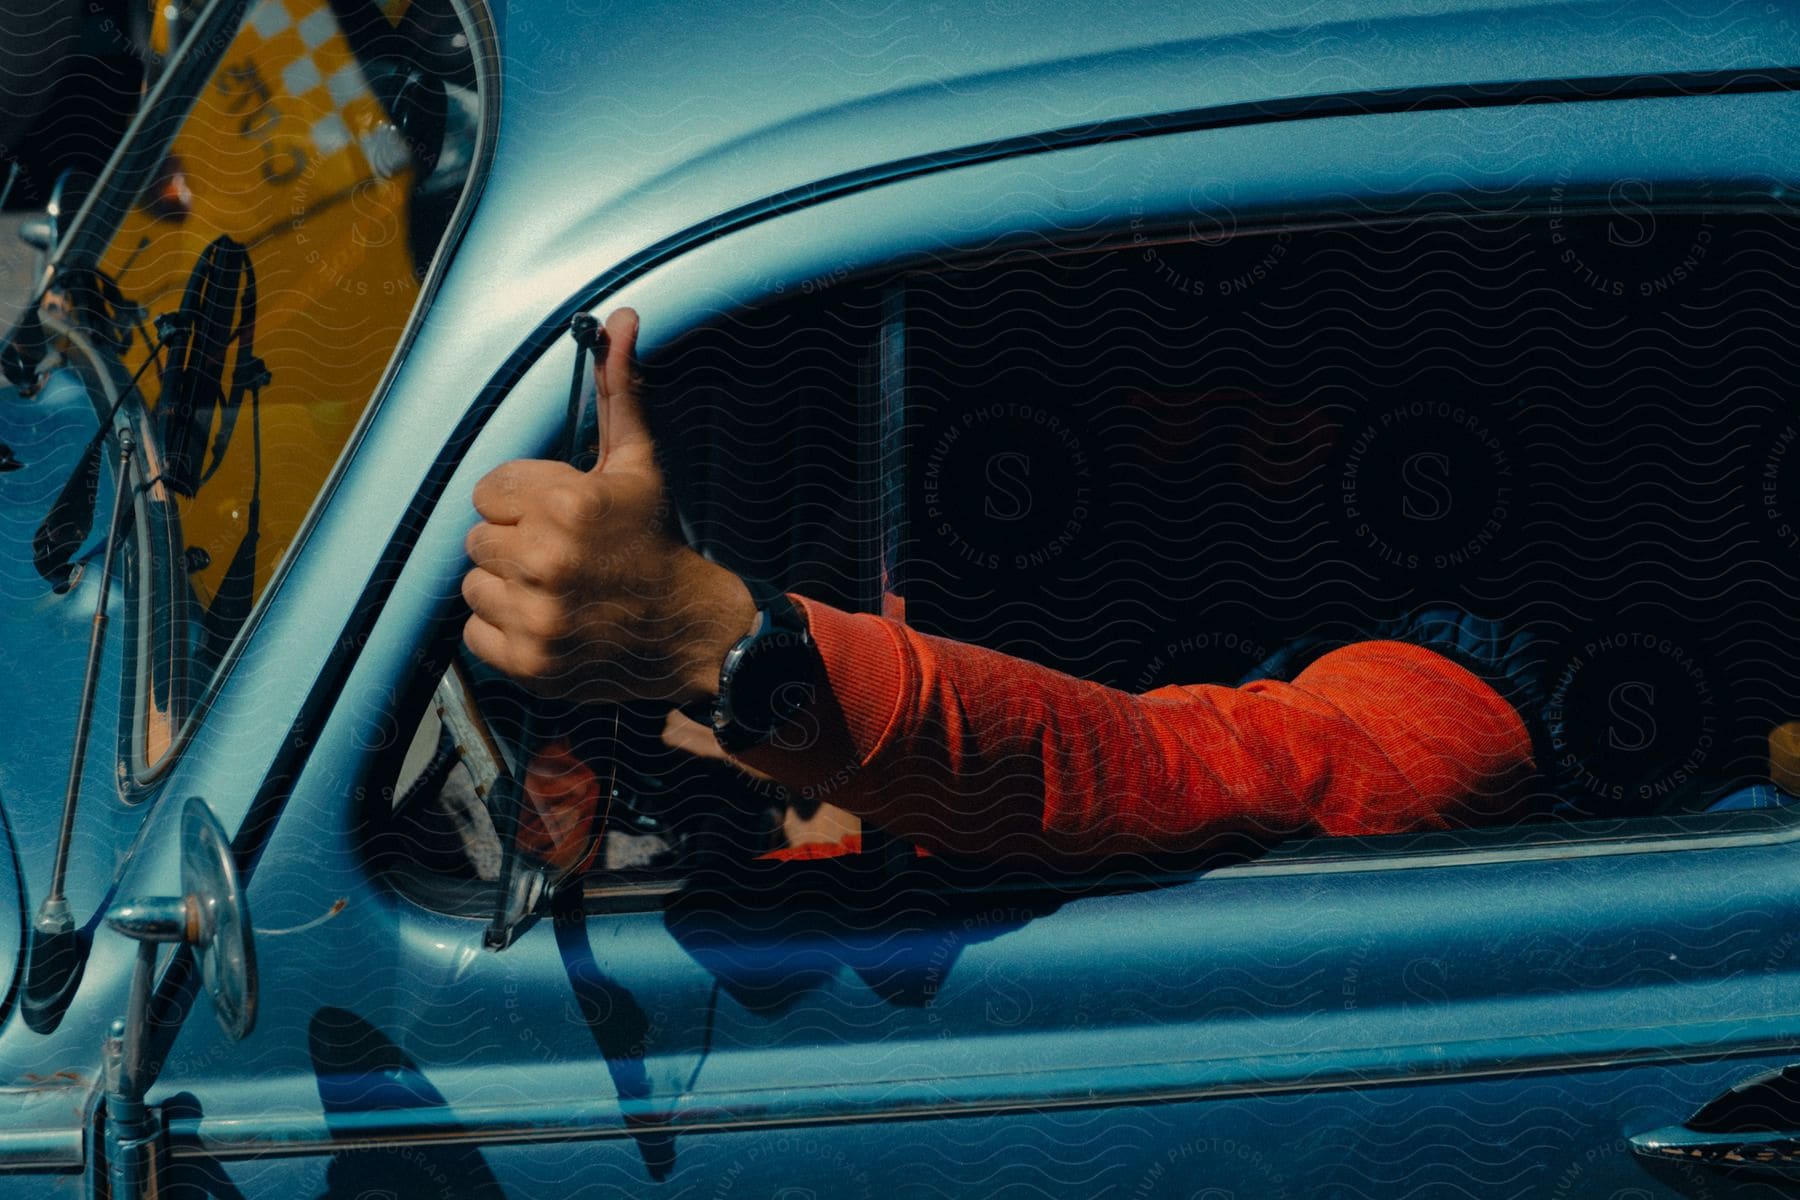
[260, 284]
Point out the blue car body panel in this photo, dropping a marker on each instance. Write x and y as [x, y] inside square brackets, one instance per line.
[626, 145]
[1492, 1022]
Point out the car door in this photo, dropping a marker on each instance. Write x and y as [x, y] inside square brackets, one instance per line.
[1498, 1011]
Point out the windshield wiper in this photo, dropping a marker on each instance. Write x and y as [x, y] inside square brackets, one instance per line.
[56, 955]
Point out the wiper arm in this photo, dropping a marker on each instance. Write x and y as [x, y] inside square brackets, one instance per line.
[56, 955]
[222, 286]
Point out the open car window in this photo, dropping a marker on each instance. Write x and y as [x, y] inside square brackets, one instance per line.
[1211, 459]
[254, 290]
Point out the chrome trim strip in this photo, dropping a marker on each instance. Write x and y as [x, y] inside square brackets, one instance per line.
[1540, 852]
[39, 1140]
[1764, 1155]
[41, 1150]
[218, 1137]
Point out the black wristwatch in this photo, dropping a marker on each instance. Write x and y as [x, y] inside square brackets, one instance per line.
[768, 676]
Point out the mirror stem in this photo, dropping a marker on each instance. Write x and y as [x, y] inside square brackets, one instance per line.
[132, 1130]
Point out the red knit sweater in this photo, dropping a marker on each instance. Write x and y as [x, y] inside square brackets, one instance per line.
[968, 751]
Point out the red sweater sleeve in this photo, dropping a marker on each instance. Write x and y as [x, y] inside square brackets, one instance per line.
[970, 751]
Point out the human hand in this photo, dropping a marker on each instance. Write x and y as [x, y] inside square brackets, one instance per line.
[580, 587]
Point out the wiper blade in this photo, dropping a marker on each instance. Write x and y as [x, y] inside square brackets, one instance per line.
[55, 952]
[66, 526]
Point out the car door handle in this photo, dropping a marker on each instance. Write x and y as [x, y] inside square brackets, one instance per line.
[1753, 1128]
[1772, 1154]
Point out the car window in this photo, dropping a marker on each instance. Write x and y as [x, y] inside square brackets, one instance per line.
[1211, 459]
[287, 232]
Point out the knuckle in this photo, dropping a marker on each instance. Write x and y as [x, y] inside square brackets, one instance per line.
[545, 621]
[495, 484]
[578, 506]
[535, 660]
[548, 563]
[474, 637]
[568, 505]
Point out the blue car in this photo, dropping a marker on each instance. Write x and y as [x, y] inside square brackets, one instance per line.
[1155, 343]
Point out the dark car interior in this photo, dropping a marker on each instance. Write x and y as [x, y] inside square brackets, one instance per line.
[1171, 462]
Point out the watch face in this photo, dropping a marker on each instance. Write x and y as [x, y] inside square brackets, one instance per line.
[773, 666]
[769, 680]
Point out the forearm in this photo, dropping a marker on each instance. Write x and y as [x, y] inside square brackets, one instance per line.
[966, 750]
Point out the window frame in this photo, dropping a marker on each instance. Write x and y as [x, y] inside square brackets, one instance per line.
[1316, 854]
[974, 211]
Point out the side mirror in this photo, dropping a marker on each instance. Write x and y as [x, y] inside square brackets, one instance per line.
[211, 917]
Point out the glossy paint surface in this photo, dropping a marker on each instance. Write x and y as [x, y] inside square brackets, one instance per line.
[1494, 1023]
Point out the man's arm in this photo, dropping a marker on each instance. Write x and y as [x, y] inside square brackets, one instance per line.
[581, 588]
[964, 749]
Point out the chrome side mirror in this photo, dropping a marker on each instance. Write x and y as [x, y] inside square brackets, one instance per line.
[210, 916]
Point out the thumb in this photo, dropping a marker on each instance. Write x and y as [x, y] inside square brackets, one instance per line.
[618, 394]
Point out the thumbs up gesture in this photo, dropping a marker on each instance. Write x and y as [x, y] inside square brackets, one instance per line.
[581, 587]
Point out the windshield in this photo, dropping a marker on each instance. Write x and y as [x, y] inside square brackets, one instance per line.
[257, 287]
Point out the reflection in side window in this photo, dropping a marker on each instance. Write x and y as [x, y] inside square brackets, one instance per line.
[1563, 457]
[258, 286]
